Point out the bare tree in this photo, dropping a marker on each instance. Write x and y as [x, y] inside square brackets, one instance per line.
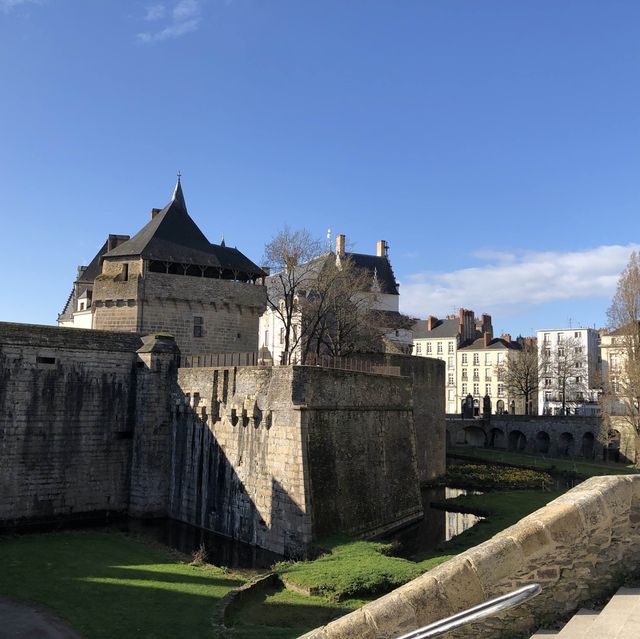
[565, 372]
[519, 373]
[622, 386]
[293, 257]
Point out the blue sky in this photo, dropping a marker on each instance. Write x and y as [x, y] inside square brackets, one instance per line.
[494, 144]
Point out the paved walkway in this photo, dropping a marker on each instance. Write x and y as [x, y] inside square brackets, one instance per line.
[21, 621]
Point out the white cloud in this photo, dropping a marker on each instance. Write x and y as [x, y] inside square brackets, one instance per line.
[517, 281]
[184, 17]
[155, 12]
[7, 5]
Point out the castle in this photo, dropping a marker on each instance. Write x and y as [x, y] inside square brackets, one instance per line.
[111, 422]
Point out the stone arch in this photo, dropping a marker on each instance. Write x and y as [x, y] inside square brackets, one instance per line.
[612, 451]
[474, 436]
[500, 407]
[543, 442]
[566, 444]
[517, 440]
[588, 445]
[496, 438]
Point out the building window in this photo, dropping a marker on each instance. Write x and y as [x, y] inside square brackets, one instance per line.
[547, 381]
[578, 380]
[266, 338]
[547, 338]
[487, 389]
[450, 347]
[476, 389]
[476, 359]
[500, 390]
[561, 352]
[464, 389]
[464, 373]
[450, 362]
[577, 334]
[451, 395]
[560, 337]
[428, 349]
[487, 359]
[498, 358]
[418, 349]
[547, 396]
[282, 336]
[464, 358]
[450, 381]
[476, 374]
[487, 374]
[197, 326]
[578, 350]
[578, 364]
[439, 348]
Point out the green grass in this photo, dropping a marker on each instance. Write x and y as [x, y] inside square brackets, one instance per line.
[537, 462]
[108, 585]
[283, 614]
[350, 569]
[493, 477]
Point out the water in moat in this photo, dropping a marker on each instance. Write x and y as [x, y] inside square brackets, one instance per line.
[437, 525]
[187, 539]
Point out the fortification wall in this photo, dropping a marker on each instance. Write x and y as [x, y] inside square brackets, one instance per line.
[569, 436]
[230, 312]
[428, 377]
[578, 547]
[67, 408]
[277, 456]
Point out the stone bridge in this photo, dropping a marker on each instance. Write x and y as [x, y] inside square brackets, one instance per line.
[569, 436]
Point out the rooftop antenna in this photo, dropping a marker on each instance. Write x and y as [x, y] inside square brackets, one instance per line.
[570, 326]
[329, 240]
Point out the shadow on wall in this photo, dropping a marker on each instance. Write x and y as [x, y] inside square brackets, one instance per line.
[206, 490]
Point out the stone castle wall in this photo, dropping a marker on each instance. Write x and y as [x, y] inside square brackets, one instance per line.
[160, 302]
[96, 421]
[578, 547]
[278, 456]
[67, 411]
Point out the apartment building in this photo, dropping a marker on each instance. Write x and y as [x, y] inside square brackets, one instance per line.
[568, 379]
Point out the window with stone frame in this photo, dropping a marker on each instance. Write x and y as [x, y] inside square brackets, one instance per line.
[197, 326]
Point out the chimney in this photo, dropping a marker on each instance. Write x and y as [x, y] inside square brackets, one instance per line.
[155, 212]
[341, 240]
[487, 338]
[506, 337]
[115, 240]
[486, 319]
[382, 248]
[431, 322]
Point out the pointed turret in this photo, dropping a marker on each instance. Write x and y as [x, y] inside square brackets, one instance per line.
[178, 196]
[222, 242]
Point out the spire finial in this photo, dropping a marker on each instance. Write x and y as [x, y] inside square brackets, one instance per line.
[178, 197]
[179, 176]
[222, 241]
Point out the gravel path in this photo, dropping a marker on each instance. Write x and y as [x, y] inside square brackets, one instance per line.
[22, 621]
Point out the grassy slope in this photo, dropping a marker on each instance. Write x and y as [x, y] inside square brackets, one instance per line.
[538, 462]
[107, 585]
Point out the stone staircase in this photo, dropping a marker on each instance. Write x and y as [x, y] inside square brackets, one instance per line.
[619, 619]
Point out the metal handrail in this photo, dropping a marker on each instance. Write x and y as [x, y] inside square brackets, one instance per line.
[486, 609]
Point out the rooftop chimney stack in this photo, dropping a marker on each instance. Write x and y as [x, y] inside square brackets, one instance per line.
[382, 248]
[487, 338]
[341, 240]
[506, 337]
[431, 322]
[115, 240]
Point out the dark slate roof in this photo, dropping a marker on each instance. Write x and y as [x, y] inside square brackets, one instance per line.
[494, 345]
[443, 328]
[95, 266]
[172, 236]
[380, 266]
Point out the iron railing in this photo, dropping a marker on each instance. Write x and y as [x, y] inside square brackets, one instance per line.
[486, 609]
[210, 360]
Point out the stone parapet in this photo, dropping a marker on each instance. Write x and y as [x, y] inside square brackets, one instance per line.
[579, 547]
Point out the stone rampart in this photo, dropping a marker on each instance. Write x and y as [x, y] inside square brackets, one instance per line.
[578, 547]
[277, 456]
[67, 412]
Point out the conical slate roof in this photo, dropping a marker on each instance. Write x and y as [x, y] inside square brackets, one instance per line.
[172, 236]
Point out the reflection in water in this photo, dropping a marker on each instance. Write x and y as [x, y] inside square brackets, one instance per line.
[437, 526]
[221, 551]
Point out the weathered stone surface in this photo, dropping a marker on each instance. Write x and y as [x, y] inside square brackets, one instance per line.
[574, 555]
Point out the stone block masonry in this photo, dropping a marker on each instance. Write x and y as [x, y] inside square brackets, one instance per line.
[579, 547]
[279, 456]
[67, 411]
